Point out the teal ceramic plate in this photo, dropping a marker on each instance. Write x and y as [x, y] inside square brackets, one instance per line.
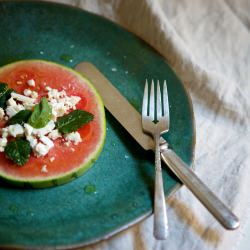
[117, 191]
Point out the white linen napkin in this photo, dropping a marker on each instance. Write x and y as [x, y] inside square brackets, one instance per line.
[207, 43]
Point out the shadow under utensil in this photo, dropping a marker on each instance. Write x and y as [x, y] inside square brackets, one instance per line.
[187, 216]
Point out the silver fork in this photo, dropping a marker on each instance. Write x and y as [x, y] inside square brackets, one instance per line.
[155, 121]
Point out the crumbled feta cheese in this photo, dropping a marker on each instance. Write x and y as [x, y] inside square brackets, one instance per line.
[41, 149]
[11, 102]
[31, 82]
[58, 109]
[1, 113]
[44, 169]
[29, 106]
[12, 110]
[32, 140]
[60, 102]
[22, 98]
[28, 129]
[45, 130]
[34, 94]
[74, 100]
[41, 140]
[27, 92]
[74, 137]
[52, 159]
[3, 142]
[47, 141]
[54, 134]
[15, 130]
[5, 132]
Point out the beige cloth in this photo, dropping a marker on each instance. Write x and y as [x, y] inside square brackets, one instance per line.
[207, 43]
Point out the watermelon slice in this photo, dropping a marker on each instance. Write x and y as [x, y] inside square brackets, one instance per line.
[63, 163]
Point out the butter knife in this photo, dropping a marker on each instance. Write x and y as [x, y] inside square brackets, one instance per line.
[133, 125]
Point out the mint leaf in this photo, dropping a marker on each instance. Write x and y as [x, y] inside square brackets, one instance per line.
[18, 151]
[19, 118]
[4, 94]
[73, 121]
[41, 114]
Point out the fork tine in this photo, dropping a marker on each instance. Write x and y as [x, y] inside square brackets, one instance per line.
[159, 112]
[165, 101]
[145, 100]
[152, 102]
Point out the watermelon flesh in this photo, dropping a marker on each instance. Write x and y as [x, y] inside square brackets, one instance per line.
[63, 163]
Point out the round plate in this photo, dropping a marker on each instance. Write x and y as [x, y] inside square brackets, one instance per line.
[118, 190]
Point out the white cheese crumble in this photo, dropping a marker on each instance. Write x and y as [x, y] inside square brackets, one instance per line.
[44, 169]
[1, 113]
[41, 149]
[15, 130]
[32, 140]
[41, 140]
[27, 92]
[22, 98]
[13, 107]
[74, 137]
[5, 132]
[28, 129]
[12, 110]
[31, 82]
[47, 142]
[54, 134]
[3, 143]
[52, 159]
[60, 102]
[11, 102]
[32, 94]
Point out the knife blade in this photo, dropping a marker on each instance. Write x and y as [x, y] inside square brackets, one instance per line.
[133, 125]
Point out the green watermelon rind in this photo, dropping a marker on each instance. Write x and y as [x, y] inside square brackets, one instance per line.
[77, 171]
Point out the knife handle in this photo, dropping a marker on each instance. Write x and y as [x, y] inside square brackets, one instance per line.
[200, 190]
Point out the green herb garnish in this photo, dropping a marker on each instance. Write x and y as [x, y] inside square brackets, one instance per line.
[18, 151]
[4, 94]
[20, 118]
[41, 114]
[73, 121]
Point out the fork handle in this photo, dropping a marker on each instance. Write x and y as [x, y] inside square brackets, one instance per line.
[160, 213]
[200, 190]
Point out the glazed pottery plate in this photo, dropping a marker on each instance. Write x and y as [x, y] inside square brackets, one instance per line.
[118, 190]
